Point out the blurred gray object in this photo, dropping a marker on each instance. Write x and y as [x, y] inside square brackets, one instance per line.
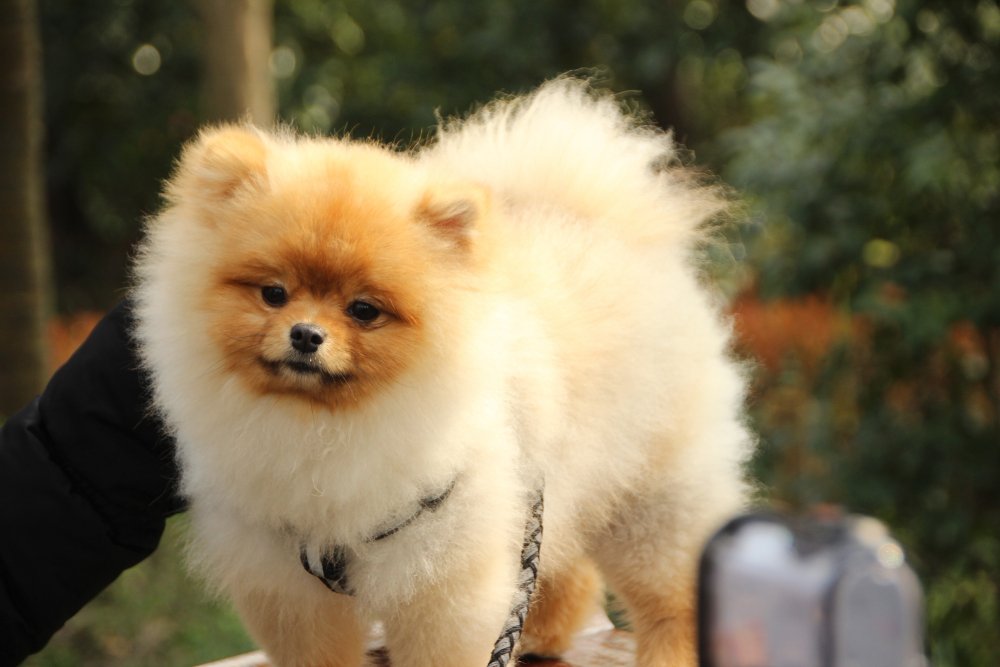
[826, 590]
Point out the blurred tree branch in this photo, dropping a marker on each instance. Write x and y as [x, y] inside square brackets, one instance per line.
[237, 79]
[24, 256]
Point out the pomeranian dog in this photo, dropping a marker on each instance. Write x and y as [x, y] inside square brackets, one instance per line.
[371, 359]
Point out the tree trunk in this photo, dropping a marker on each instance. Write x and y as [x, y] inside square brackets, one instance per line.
[237, 82]
[24, 258]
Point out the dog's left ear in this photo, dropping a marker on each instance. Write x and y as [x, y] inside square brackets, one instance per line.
[453, 211]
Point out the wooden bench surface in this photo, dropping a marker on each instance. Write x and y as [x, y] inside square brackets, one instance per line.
[597, 645]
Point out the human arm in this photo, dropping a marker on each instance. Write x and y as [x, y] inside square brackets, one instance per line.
[87, 480]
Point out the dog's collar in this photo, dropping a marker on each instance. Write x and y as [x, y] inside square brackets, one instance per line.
[330, 566]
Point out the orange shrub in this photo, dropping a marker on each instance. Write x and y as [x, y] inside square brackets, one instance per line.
[804, 329]
[66, 333]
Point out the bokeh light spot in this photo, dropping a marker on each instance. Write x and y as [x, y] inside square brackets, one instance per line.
[282, 62]
[146, 60]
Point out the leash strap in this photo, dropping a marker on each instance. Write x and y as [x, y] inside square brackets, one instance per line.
[503, 650]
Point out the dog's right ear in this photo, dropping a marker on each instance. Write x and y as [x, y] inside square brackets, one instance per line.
[219, 163]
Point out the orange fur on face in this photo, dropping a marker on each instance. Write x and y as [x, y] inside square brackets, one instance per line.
[329, 243]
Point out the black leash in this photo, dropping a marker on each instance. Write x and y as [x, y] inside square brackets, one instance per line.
[331, 569]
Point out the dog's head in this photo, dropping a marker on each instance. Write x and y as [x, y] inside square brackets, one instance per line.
[328, 267]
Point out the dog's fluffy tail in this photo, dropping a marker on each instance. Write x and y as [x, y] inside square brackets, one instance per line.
[569, 147]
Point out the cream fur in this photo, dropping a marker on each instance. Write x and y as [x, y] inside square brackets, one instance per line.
[580, 347]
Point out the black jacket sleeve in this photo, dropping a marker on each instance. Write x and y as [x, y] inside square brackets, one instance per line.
[87, 480]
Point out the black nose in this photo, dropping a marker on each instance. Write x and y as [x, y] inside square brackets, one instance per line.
[306, 337]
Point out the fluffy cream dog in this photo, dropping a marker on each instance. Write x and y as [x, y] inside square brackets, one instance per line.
[338, 332]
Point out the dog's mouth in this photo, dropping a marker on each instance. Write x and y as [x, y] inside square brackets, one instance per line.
[305, 369]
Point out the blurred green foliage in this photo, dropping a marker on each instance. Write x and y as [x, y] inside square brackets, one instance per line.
[872, 153]
[864, 134]
[112, 133]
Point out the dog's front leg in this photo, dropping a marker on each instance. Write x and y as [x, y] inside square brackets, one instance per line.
[455, 621]
[317, 630]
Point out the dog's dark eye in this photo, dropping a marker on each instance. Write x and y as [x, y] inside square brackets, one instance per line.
[274, 295]
[363, 311]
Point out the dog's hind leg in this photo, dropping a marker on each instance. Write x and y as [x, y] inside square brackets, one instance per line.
[649, 556]
[563, 602]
